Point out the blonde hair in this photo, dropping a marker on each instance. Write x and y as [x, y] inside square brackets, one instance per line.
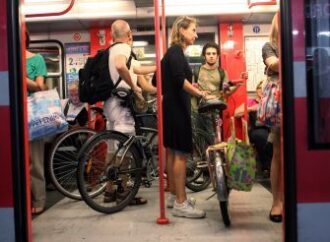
[180, 22]
[273, 36]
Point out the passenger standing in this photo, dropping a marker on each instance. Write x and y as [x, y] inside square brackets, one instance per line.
[212, 78]
[271, 60]
[119, 116]
[177, 88]
[36, 72]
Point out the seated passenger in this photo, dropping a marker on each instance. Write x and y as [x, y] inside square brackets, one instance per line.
[259, 134]
[75, 111]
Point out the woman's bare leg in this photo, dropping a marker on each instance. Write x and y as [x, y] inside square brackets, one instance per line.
[169, 169]
[276, 177]
[179, 175]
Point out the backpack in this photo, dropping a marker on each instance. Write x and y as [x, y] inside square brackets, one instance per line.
[221, 73]
[95, 83]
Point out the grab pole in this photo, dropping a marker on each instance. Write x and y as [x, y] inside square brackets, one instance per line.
[162, 219]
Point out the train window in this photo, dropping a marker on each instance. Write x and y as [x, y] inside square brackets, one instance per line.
[144, 48]
[318, 71]
[52, 51]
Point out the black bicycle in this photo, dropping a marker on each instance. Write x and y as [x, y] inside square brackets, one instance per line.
[216, 157]
[197, 173]
[112, 165]
[63, 158]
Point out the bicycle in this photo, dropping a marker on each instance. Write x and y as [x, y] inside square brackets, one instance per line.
[63, 158]
[197, 173]
[111, 160]
[216, 158]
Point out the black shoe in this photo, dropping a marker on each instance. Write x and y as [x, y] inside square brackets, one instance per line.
[266, 174]
[276, 218]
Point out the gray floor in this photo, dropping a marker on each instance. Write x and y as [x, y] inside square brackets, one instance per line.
[71, 221]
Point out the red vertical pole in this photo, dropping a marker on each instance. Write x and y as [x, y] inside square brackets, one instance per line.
[162, 219]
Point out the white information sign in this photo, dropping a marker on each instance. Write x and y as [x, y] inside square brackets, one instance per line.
[254, 63]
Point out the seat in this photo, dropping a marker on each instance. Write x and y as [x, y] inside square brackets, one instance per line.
[206, 106]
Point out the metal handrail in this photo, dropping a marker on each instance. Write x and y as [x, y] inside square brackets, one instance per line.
[52, 14]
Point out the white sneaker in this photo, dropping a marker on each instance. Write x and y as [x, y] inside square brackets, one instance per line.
[186, 210]
[171, 200]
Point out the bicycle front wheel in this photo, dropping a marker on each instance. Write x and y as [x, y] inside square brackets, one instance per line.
[109, 172]
[63, 161]
[197, 173]
[222, 189]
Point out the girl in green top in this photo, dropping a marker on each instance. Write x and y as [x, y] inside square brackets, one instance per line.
[35, 78]
[35, 70]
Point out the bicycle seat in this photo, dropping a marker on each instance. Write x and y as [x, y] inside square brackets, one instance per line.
[211, 105]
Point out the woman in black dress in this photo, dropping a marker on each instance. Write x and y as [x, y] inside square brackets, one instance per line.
[177, 88]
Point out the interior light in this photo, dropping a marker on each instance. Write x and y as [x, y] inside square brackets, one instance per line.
[324, 33]
[295, 32]
[140, 43]
[252, 3]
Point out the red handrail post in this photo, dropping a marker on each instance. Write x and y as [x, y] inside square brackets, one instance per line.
[162, 219]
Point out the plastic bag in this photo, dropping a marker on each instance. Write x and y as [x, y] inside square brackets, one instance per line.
[45, 116]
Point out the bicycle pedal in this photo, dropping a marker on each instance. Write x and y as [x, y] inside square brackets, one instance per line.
[201, 166]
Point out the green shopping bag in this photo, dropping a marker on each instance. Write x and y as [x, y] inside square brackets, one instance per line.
[242, 161]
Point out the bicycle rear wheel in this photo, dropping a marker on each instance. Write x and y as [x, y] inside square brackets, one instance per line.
[63, 161]
[109, 172]
[221, 188]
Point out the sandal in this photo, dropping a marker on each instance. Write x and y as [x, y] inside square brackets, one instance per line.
[37, 211]
[138, 201]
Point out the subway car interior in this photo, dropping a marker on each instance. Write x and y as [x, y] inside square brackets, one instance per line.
[247, 178]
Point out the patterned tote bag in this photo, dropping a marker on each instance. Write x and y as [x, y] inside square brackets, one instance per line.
[242, 161]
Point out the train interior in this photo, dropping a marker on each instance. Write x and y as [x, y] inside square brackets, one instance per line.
[67, 41]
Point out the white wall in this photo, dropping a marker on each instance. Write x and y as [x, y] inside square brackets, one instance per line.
[255, 35]
[64, 37]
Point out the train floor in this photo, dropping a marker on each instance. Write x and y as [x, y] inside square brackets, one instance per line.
[74, 221]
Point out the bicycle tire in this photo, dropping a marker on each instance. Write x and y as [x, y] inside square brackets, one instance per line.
[222, 189]
[63, 161]
[225, 213]
[95, 171]
[198, 178]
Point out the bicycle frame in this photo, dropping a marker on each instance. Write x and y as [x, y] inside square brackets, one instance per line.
[217, 164]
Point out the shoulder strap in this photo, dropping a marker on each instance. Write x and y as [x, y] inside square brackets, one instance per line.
[128, 63]
[196, 73]
[66, 108]
[222, 77]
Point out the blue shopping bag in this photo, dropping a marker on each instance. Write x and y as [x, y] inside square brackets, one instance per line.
[45, 116]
